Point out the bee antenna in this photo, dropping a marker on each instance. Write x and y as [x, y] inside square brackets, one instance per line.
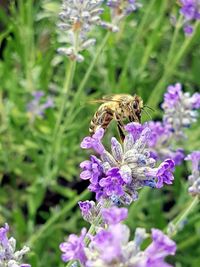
[145, 106]
[147, 113]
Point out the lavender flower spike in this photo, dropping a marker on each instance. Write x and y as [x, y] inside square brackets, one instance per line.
[73, 248]
[113, 246]
[155, 253]
[180, 109]
[114, 215]
[94, 142]
[77, 19]
[8, 256]
[118, 175]
[194, 178]
[119, 10]
[190, 9]
[37, 106]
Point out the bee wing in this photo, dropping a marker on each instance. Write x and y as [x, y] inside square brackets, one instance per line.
[116, 97]
[104, 99]
[97, 101]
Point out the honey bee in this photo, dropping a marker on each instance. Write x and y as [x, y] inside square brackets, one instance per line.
[117, 107]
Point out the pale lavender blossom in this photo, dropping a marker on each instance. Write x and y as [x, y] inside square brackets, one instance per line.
[77, 19]
[37, 106]
[118, 175]
[90, 211]
[190, 9]
[155, 253]
[114, 215]
[161, 143]
[180, 109]
[94, 142]
[73, 248]
[112, 246]
[194, 178]
[119, 10]
[8, 256]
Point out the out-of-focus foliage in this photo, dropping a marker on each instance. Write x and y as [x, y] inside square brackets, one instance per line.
[41, 202]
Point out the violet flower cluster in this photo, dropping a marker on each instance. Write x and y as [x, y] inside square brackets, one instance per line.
[8, 256]
[180, 111]
[190, 9]
[111, 247]
[194, 178]
[77, 19]
[119, 10]
[37, 106]
[117, 175]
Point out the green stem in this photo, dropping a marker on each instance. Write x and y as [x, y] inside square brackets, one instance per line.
[140, 29]
[88, 73]
[168, 71]
[174, 39]
[63, 96]
[180, 218]
[43, 229]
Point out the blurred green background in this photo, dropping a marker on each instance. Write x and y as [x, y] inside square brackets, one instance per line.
[39, 183]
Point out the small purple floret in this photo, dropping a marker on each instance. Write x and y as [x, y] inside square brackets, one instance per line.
[94, 142]
[164, 173]
[114, 215]
[161, 247]
[113, 183]
[73, 248]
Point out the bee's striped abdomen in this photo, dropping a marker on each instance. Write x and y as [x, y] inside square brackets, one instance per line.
[101, 119]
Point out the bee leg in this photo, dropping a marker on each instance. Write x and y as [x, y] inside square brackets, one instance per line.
[121, 131]
[120, 127]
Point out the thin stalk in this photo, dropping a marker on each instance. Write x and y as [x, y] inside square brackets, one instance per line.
[168, 70]
[180, 218]
[70, 71]
[71, 113]
[88, 73]
[92, 229]
[44, 228]
[140, 28]
[174, 39]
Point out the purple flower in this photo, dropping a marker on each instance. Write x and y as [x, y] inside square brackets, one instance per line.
[119, 10]
[194, 178]
[77, 20]
[92, 170]
[113, 183]
[164, 173]
[8, 255]
[37, 106]
[118, 175]
[114, 215]
[173, 95]
[190, 9]
[108, 243]
[135, 129]
[195, 158]
[179, 110]
[177, 156]
[196, 101]
[161, 247]
[86, 207]
[73, 248]
[112, 246]
[188, 29]
[3, 235]
[94, 142]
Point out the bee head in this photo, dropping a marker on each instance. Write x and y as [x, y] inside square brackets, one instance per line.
[136, 107]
